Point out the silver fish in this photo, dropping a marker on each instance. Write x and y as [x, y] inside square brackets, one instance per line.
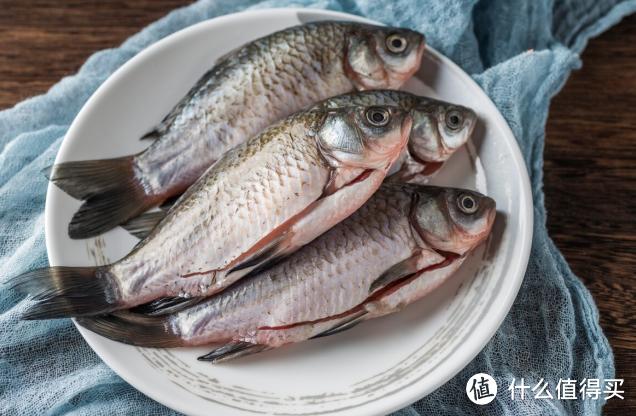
[246, 91]
[439, 129]
[262, 200]
[399, 246]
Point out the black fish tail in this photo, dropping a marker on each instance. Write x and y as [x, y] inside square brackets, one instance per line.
[134, 329]
[112, 192]
[61, 292]
[85, 178]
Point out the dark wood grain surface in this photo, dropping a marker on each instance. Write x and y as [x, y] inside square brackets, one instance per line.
[590, 188]
[590, 154]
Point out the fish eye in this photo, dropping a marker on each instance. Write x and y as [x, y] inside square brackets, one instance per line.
[467, 204]
[454, 120]
[378, 117]
[396, 43]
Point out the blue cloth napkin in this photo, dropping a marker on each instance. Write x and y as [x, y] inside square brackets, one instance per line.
[520, 52]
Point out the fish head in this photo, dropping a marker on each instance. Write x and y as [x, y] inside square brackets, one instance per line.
[368, 137]
[439, 129]
[452, 220]
[383, 57]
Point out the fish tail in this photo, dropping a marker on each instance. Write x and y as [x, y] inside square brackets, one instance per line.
[112, 193]
[61, 292]
[135, 329]
[86, 178]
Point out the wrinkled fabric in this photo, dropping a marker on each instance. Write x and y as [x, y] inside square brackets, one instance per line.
[520, 52]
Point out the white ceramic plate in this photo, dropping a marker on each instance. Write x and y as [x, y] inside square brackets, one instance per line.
[372, 369]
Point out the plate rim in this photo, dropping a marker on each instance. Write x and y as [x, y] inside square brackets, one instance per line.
[417, 389]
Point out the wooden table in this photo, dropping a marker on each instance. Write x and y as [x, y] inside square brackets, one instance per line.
[590, 154]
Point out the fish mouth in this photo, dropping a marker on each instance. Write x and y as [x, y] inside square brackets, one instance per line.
[430, 166]
[425, 158]
[440, 157]
[428, 170]
[446, 150]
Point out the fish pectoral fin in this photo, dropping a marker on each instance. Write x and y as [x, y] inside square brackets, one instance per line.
[165, 306]
[421, 260]
[142, 225]
[169, 203]
[231, 351]
[152, 135]
[396, 272]
[134, 329]
[266, 255]
[354, 320]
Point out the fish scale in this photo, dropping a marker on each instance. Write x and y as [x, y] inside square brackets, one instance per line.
[263, 200]
[250, 165]
[388, 254]
[249, 89]
[319, 270]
